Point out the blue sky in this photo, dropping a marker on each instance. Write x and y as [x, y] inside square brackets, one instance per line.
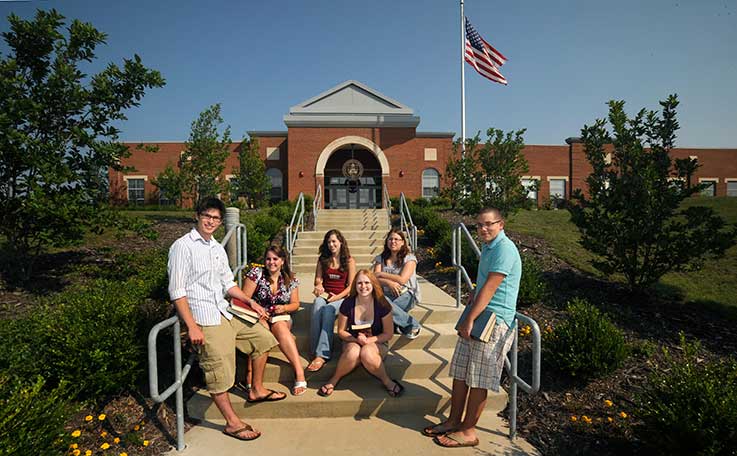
[566, 60]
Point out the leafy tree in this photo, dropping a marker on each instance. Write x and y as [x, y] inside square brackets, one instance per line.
[57, 138]
[203, 160]
[489, 174]
[251, 181]
[631, 217]
[170, 184]
[685, 168]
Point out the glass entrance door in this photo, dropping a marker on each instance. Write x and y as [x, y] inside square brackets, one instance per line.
[365, 193]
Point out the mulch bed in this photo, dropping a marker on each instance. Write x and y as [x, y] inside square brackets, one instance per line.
[545, 419]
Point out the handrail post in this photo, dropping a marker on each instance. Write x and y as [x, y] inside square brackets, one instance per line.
[513, 388]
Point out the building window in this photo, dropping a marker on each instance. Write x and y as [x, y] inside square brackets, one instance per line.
[732, 187]
[531, 185]
[136, 194]
[272, 153]
[164, 200]
[710, 187]
[557, 189]
[430, 183]
[431, 154]
[275, 176]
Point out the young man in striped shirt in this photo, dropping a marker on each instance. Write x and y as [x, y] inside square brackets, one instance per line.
[199, 280]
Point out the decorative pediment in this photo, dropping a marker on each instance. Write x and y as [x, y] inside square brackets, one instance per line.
[351, 104]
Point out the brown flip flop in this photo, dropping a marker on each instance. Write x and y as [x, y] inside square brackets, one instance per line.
[457, 441]
[236, 434]
[432, 431]
[268, 398]
[326, 390]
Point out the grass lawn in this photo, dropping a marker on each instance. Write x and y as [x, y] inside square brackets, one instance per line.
[715, 285]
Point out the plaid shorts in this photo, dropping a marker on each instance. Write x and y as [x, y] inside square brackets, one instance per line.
[480, 364]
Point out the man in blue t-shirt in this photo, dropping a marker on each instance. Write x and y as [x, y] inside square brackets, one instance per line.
[477, 366]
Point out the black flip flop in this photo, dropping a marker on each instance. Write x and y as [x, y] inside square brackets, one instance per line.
[268, 398]
[397, 390]
[236, 434]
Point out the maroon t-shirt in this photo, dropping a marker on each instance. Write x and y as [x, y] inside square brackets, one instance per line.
[334, 280]
[348, 308]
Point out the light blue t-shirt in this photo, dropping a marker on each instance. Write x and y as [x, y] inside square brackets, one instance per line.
[502, 256]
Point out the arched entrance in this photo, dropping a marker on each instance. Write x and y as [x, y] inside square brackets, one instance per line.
[352, 179]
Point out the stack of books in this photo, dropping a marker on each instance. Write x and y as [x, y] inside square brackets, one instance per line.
[483, 326]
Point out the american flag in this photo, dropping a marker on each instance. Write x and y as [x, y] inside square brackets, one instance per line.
[482, 56]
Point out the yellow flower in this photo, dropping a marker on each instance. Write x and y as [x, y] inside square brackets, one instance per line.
[116, 440]
[76, 433]
[136, 427]
[123, 454]
[88, 418]
[103, 434]
[105, 446]
[623, 415]
[88, 453]
[608, 403]
[145, 443]
[610, 419]
[586, 419]
[574, 418]
[101, 417]
[73, 446]
[76, 452]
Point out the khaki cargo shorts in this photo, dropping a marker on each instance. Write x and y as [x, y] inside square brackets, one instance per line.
[217, 355]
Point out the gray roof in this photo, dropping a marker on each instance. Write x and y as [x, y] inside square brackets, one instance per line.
[351, 104]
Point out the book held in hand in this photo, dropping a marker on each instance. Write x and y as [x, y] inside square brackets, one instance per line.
[281, 317]
[364, 328]
[243, 310]
[483, 326]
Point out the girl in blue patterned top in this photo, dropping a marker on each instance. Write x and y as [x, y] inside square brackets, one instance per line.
[275, 288]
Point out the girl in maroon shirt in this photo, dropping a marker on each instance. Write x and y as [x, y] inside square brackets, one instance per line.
[333, 279]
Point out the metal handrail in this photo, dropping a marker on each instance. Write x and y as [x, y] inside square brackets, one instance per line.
[388, 205]
[180, 374]
[293, 230]
[459, 232]
[316, 204]
[405, 222]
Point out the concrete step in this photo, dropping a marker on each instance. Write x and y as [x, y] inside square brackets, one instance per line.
[352, 397]
[359, 249]
[307, 269]
[351, 236]
[324, 225]
[403, 364]
[436, 335]
[311, 259]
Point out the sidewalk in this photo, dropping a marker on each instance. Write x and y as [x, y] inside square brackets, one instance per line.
[390, 435]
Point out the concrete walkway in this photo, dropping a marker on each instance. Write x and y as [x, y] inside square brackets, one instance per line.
[391, 435]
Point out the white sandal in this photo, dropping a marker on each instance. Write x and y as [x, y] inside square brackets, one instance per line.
[299, 385]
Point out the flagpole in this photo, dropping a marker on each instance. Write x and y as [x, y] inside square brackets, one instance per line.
[463, 83]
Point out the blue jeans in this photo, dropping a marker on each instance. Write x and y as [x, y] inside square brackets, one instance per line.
[322, 327]
[401, 305]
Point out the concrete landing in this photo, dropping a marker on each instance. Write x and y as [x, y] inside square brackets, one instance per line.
[385, 435]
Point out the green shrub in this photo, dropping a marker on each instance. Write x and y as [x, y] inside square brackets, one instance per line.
[532, 287]
[690, 406]
[587, 344]
[92, 336]
[421, 202]
[31, 418]
[282, 211]
[435, 228]
[440, 202]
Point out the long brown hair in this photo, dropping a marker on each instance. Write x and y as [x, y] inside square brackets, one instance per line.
[286, 273]
[403, 252]
[377, 292]
[325, 255]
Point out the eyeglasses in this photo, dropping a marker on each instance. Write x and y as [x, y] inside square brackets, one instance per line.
[487, 225]
[212, 218]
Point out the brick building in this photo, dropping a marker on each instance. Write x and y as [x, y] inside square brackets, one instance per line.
[351, 141]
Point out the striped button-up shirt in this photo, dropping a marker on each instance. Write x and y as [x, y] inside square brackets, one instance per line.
[199, 270]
